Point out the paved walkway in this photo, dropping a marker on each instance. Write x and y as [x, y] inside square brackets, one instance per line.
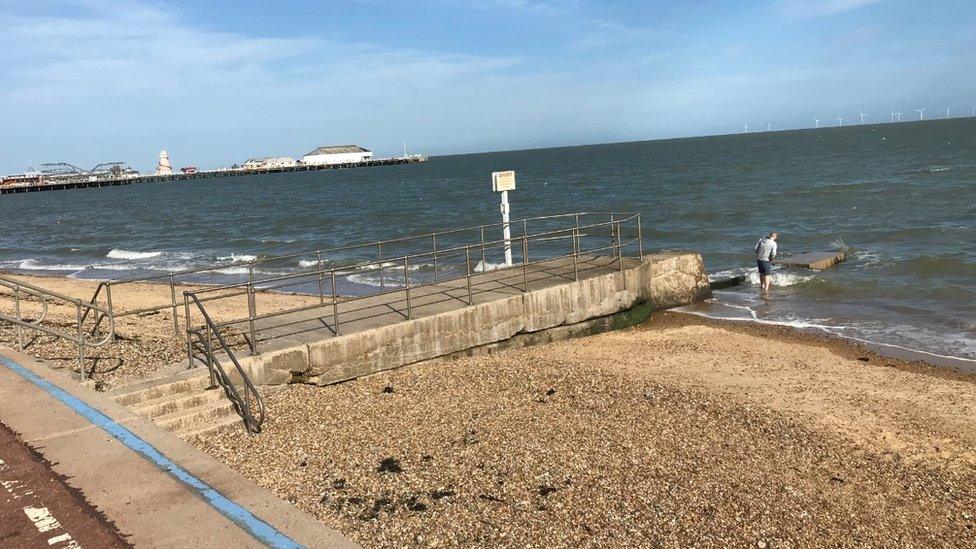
[156, 489]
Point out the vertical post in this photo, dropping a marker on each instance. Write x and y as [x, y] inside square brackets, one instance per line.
[433, 240]
[484, 262]
[318, 260]
[576, 253]
[525, 264]
[506, 230]
[335, 302]
[81, 341]
[406, 282]
[613, 239]
[251, 307]
[20, 329]
[189, 338]
[379, 257]
[640, 240]
[108, 301]
[467, 268]
[172, 297]
[525, 248]
[620, 257]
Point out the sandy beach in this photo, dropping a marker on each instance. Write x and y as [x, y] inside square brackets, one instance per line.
[145, 342]
[683, 431]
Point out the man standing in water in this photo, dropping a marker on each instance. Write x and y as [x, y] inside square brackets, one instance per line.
[765, 253]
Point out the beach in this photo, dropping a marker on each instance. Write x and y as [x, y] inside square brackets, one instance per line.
[145, 342]
[681, 431]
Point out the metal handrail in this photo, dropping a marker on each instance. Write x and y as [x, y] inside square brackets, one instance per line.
[79, 337]
[252, 422]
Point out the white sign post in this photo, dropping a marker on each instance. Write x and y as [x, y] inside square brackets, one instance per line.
[503, 182]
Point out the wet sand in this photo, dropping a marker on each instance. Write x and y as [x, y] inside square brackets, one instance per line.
[683, 431]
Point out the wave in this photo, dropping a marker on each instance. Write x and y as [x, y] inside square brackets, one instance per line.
[751, 274]
[238, 258]
[119, 253]
[33, 265]
[484, 267]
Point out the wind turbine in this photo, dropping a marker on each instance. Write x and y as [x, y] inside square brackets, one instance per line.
[974, 111]
[862, 116]
[947, 112]
[921, 113]
[747, 128]
[840, 120]
[898, 115]
[817, 120]
[769, 126]
[892, 114]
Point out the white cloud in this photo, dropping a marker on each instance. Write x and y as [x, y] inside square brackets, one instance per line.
[806, 9]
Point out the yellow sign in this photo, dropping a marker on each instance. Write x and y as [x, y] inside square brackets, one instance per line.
[503, 181]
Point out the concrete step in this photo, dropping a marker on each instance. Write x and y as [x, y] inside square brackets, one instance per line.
[142, 392]
[201, 416]
[170, 403]
[231, 422]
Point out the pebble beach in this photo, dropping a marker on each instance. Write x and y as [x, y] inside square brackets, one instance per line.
[680, 432]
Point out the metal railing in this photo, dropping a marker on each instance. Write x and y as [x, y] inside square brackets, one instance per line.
[578, 238]
[23, 293]
[324, 263]
[200, 345]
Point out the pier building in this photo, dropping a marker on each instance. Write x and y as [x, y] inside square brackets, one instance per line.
[337, 154]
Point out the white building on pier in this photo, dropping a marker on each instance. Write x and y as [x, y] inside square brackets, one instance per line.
[270, 162]
[337, 154]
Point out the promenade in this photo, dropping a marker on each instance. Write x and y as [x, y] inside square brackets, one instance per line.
[149, 488]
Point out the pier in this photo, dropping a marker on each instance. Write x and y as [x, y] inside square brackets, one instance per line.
[119, 181]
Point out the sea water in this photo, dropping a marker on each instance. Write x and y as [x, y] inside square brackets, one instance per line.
[900, 198]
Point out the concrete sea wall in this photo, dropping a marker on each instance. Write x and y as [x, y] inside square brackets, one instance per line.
[660, 281]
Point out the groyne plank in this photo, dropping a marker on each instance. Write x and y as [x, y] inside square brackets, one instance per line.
[813, 260]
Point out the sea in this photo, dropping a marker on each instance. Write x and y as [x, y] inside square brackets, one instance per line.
[899, 198]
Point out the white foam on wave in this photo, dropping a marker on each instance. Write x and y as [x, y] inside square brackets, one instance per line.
[370, 279]
[308, 263]
[484, 267]
[238, 258]
[119, 253]
[33, 265]
[780, 277]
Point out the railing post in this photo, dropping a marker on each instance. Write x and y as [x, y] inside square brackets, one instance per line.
[467, 270]
[81, 341]
[640, 240]
[335, 303]
[251, 308]
[576, 253]
[406, 282]
[318, 258]
[189, 337]
[20, 329]
[525, 263]
[172, 295]
[484, 261]
[108, 302]
[620, 256]
[379, 257]
[433, 240]
[613, 239]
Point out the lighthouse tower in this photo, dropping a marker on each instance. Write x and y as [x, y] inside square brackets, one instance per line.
[163, 167]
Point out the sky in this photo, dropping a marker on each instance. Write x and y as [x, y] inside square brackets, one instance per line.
[217, 82]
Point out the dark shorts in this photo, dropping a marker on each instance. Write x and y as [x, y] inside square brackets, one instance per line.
[765, 267]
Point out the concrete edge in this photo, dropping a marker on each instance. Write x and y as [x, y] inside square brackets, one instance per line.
[260, 502]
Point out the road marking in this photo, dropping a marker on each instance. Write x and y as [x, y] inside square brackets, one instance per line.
[259, 529]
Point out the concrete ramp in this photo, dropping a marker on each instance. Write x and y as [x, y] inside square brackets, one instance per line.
[499, 314]
[813, 260]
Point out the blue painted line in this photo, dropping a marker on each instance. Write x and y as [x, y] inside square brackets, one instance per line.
[262, 531]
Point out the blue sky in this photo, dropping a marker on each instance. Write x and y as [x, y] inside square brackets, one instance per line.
[216, 82]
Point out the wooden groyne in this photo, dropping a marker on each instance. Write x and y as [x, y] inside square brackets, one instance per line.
[115, 182]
